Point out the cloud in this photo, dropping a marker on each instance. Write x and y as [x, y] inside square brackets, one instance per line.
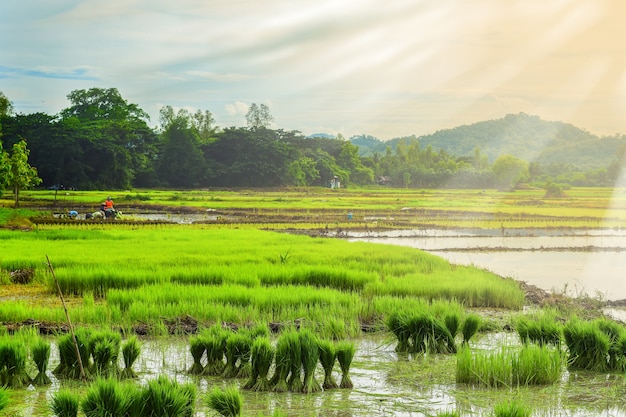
[237, 108]
[79, 73]
[214, 76]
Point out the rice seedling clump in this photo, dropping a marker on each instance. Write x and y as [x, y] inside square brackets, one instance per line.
[228, 402]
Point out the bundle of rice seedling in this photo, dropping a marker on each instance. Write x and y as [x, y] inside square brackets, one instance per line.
[227, 402]
[4, 399]
[262, 356]
[292, 340]
[69, 366]
[230, 348]
[542, 331]
[282, 363]
[470, 327]
[328, 355]
[310, 355]
[420, 330]
[512, 409]
[236, 346]
[588, 346]
[165, 398]
[13, 357]
[453, 323]
[615, 332]
[40, 352]
[65, 403]
[244, 370]
[397, 323]
[214, 346]
[103, 354]
[345, 354]
[104, 347]
[130, 352]
[106, 398]
[197, 348]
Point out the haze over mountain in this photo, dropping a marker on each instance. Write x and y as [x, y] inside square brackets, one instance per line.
[524, 136]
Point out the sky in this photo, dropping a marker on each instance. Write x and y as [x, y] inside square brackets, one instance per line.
[386, 68]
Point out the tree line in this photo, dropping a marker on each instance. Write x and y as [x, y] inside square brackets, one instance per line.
[101, 141]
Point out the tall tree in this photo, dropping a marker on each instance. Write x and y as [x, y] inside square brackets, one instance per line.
[181, 163]
[509, 171]
[4, 169]
[20, 174]
[117, 144]
[6, 108]
[259, 116]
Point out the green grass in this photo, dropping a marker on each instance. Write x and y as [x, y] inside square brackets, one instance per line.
[149, 273]
[509, 367]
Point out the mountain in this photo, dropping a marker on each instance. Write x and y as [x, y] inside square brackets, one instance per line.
[525, 136]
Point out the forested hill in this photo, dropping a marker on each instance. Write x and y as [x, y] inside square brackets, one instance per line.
[524, 136]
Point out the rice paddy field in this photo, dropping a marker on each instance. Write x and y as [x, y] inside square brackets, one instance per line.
[423, 337]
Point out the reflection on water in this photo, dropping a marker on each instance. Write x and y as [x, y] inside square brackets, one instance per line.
[576, 262]
[385, 385]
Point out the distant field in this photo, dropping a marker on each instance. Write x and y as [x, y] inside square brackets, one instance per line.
[377, 207]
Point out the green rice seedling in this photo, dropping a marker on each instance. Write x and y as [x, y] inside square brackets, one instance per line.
[453, 323]
[197, 348]
[615, 332]
[542, 330]
[345, 354]
[214, 345]
[429, 335]
[13, 355]
[448, 414]
[587, 345]
[237, 355]
[398, 324]
[68, 366]
[282, 364]
[492, 369]
[105, 397]
[103, 353]
[310, 355]
[464, 366]
[4, 399]
[471, 325]
[65, 403]
[131, 349]
[244, 370]
[328, 354]
[40, 352]
[537, 365]
[227, 402]
[512, 409]
[262, 356]
[163, 397]
[292, 340]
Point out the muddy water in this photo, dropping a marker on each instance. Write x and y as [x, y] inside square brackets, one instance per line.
[589, 262]
[385, 384]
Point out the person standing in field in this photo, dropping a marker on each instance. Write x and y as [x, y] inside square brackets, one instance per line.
[109, 211]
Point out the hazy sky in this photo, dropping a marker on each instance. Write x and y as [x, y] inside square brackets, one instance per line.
[387, 68]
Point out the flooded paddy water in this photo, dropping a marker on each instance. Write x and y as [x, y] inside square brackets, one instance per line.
[574, 262]
[385, 384]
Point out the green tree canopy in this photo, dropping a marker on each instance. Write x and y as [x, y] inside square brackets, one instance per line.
[509, 171]
[101, 104]
[259, 116]
[20, 174]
